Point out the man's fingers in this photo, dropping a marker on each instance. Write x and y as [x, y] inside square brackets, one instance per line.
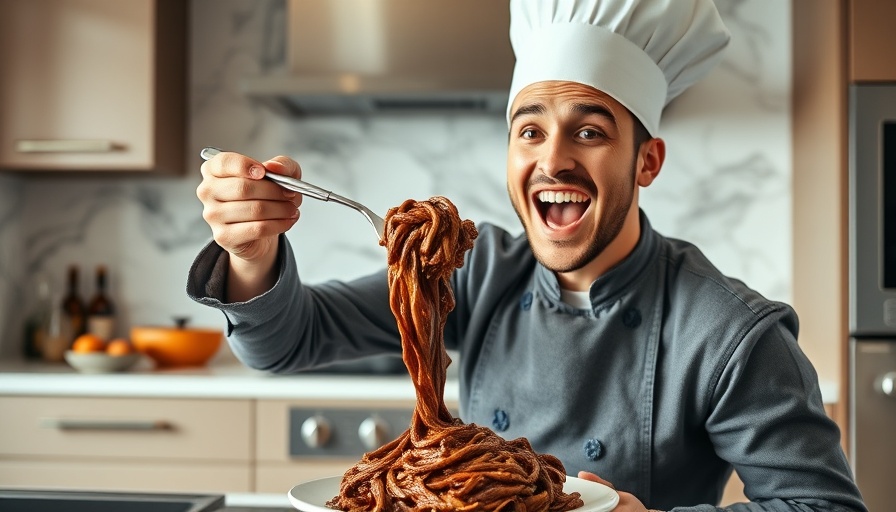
[585, 475]
[235, 212]
[284, 165]
[241, 189]
[227, 164]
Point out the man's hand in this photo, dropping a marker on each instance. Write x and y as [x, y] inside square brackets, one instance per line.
[246, 214]
[627, 502]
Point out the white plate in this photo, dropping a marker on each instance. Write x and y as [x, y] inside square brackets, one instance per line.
[312, 496]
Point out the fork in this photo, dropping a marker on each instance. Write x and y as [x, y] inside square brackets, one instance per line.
[307, 189]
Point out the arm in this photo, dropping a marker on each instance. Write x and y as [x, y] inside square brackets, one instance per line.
[249, 273]
[765, 416]
[768, 420]
[294, 326]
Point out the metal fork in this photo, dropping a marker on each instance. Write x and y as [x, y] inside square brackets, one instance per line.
[307, 189]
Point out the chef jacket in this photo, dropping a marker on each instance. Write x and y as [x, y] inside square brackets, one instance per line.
[674, 377]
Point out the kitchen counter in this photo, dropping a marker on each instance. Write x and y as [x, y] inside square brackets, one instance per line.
[238, 502]
[223, 380]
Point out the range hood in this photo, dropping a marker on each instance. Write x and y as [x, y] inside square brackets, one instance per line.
[391, 56]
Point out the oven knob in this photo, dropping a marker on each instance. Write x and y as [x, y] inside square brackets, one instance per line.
[887, 384]
[374, 432]
[316, 431]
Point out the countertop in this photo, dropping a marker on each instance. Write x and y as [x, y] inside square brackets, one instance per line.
[227, 379]
[219, 380]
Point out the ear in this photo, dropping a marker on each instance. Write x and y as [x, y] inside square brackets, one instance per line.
[651, 155]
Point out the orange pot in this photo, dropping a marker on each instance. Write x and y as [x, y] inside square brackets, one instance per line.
[177, 346]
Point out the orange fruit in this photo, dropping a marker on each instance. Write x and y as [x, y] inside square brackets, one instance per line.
[88, 343]
[119, 347]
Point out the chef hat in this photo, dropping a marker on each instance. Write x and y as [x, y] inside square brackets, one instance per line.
[643, 53]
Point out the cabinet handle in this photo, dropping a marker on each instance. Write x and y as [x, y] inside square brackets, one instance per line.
[66, 146]
[106, 425]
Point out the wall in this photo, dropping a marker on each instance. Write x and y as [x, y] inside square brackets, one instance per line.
[725, 184]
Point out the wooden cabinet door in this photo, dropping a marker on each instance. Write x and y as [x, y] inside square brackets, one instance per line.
[145, 444]
[126, 428]
[136, 475]
[872, 39]
[93, 85]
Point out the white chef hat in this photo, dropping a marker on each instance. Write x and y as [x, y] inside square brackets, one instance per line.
[643, 53]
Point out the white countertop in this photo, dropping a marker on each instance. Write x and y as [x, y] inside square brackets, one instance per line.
[256, 499]
[228, 380]
[224, 380]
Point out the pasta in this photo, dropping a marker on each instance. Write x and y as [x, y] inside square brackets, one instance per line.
[440, 463]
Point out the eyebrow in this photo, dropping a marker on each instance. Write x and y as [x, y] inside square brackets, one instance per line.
[530, 109]
[579, 108]
[594, 109]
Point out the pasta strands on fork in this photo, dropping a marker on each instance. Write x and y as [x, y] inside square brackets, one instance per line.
[440, 463]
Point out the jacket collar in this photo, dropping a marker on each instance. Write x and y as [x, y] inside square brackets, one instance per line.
[615, 282]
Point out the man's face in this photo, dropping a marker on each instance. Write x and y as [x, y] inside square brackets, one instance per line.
[572, 176]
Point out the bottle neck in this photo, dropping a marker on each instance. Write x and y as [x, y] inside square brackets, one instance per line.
[73, 281]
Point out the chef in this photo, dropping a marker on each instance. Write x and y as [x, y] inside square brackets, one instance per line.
[625, 353]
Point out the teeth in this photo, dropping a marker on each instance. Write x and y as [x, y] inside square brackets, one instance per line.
[549, 196]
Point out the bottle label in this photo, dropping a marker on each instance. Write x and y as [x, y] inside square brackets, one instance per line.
[102, 326]
[72, 327]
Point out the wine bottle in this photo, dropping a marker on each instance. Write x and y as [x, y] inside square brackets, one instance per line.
[101, 310]
[38, 321]
[58, 337]
[74, 311]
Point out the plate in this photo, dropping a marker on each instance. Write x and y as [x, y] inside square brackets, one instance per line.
[312, 496]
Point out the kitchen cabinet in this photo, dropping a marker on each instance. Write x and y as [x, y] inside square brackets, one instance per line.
[93, 85]
[872, 42]
[135, 444]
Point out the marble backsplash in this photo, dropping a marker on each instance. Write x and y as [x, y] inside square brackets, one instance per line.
[725, 185]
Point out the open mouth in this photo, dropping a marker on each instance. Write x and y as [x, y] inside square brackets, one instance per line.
[560, 209]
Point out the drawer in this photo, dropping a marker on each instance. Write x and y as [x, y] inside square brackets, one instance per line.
[117, 475]
[126, 428]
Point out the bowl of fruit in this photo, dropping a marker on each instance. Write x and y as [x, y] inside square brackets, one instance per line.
[92, 354]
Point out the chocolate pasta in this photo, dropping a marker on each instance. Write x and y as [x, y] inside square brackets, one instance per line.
[440, 463]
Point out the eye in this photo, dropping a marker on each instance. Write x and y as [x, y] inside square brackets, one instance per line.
[590, 134]
[529, 133]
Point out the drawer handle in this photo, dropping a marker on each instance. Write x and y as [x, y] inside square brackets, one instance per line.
[66, 146]
[107, 425]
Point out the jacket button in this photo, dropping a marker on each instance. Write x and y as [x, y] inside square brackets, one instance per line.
[631, 318]
[501, 421]
[526, 301]
[594, 449]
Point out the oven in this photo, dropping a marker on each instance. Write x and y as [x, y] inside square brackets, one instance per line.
[872, 290]
[341, 413]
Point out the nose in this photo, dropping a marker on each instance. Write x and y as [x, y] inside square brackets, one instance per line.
[555, 156]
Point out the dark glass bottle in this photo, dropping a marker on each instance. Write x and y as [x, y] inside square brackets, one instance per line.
[37, 323]
[101, 310]
[74, 311]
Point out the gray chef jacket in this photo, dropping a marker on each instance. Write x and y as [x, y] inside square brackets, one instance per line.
[674, 377]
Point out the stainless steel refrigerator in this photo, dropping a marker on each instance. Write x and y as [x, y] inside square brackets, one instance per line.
[872, 291]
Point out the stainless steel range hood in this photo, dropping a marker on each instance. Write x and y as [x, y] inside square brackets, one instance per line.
[388, 56]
